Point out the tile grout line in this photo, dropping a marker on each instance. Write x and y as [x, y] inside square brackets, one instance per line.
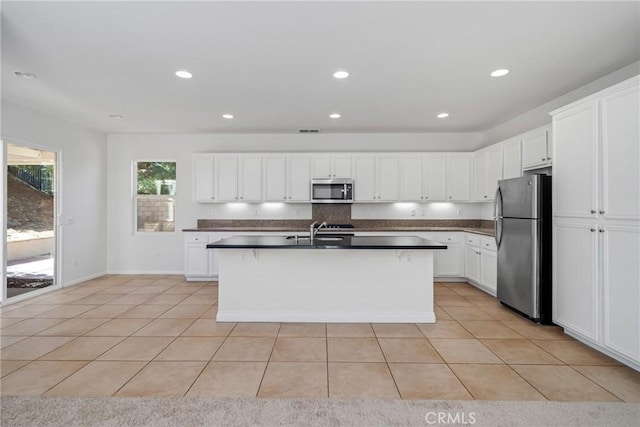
[269, 359]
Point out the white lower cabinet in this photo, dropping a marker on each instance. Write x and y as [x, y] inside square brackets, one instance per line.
[481, 262]
[450, 262]
[200, 263]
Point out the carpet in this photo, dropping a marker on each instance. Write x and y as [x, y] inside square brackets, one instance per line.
[151, 411]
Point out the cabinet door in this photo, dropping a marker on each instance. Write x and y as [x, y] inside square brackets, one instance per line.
[435, 178]
[489, 270]
[575, 288]
[621, 289]
[227, 178]
[387, 178]
[620, 154]
[203, 178]
[481, 163]
[534, 149]
[512, 164]
[449, 262]
[275, 175]
[299, 180]
[251, 178]
[411, 178]
[364, 178]
[494, 171]
[321, 166]
[341, 166]
[472, 263]
[574, 177]
[196, 260]
[458, 177]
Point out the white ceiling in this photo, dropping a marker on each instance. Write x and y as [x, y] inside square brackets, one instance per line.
[271, 63]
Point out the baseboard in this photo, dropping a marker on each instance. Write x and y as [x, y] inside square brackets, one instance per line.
[622, 359]
[327, 317]
[449, 279]
[149, 272]
[83, 279]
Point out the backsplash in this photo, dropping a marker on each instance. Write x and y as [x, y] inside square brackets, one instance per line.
[344, 213]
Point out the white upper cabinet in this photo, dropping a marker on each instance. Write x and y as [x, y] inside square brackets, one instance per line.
[298, 178]
[411, 177]
[238, 177]
[286, 178]
[488, 171]
[620, 154]
[422, 177]
[375, 177]
[203, 178]
[459, 177]
[387, 177]
[536, 148]
[511, 158]
[331, 166]
[275, 178]
[435, 178]
[574, 172]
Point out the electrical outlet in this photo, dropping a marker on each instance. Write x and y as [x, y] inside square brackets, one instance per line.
[212, 211]
[75, 262]
[459, 212]
[296, 212]
[413, 212]
[255, 212]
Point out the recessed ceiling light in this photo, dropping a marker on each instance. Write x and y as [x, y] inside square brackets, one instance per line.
[499, 73]
[183, 74]
[442, 115]
[334, 115]
[116, 116]
[25, 75]
[341, 74]
[227, 116]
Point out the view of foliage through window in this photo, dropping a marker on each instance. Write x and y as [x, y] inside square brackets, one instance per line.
[154, 175]
[155, 201]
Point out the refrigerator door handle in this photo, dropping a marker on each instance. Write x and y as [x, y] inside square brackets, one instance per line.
[497, 217]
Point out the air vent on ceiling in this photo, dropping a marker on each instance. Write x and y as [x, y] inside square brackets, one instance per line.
[309, 131]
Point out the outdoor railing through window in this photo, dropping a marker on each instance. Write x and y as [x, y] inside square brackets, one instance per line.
[39, 177]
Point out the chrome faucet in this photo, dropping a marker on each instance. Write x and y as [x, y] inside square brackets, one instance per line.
[313, 230]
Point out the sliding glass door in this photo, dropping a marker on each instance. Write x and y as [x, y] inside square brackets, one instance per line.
[31, 206]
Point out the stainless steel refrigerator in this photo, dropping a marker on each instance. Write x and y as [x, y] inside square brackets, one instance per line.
[523, 237]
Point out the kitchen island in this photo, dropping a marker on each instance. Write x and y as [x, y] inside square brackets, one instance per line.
[385, 279]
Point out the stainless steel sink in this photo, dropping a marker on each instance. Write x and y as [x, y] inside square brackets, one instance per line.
[319, 238]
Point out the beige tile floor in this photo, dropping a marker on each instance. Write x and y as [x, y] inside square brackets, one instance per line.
[157, 336]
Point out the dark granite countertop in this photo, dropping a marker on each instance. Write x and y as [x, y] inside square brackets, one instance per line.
[326, 242]
[417, 229]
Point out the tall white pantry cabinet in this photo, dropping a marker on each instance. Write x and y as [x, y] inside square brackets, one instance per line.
[596, 205]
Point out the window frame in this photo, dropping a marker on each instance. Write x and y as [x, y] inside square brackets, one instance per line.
[134, 197]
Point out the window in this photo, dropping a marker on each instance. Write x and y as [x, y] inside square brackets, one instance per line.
[155, 196]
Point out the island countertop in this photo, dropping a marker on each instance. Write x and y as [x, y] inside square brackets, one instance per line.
[326, 242]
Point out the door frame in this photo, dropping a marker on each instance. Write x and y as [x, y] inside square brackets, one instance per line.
[57, 221]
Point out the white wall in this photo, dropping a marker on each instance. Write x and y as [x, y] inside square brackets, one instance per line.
[130, 252]
[84, 206]
[540, 116]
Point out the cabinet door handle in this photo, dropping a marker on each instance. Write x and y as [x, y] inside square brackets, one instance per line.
[593, 211]
[449, 196]
[485, 197]
[543, 159]
[601, 230]
[601, 212]
[426, 197]
[593, 229]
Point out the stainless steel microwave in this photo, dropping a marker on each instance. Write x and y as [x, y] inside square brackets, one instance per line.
[335, 190]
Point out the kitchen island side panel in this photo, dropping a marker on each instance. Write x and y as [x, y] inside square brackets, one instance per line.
[320, 285]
